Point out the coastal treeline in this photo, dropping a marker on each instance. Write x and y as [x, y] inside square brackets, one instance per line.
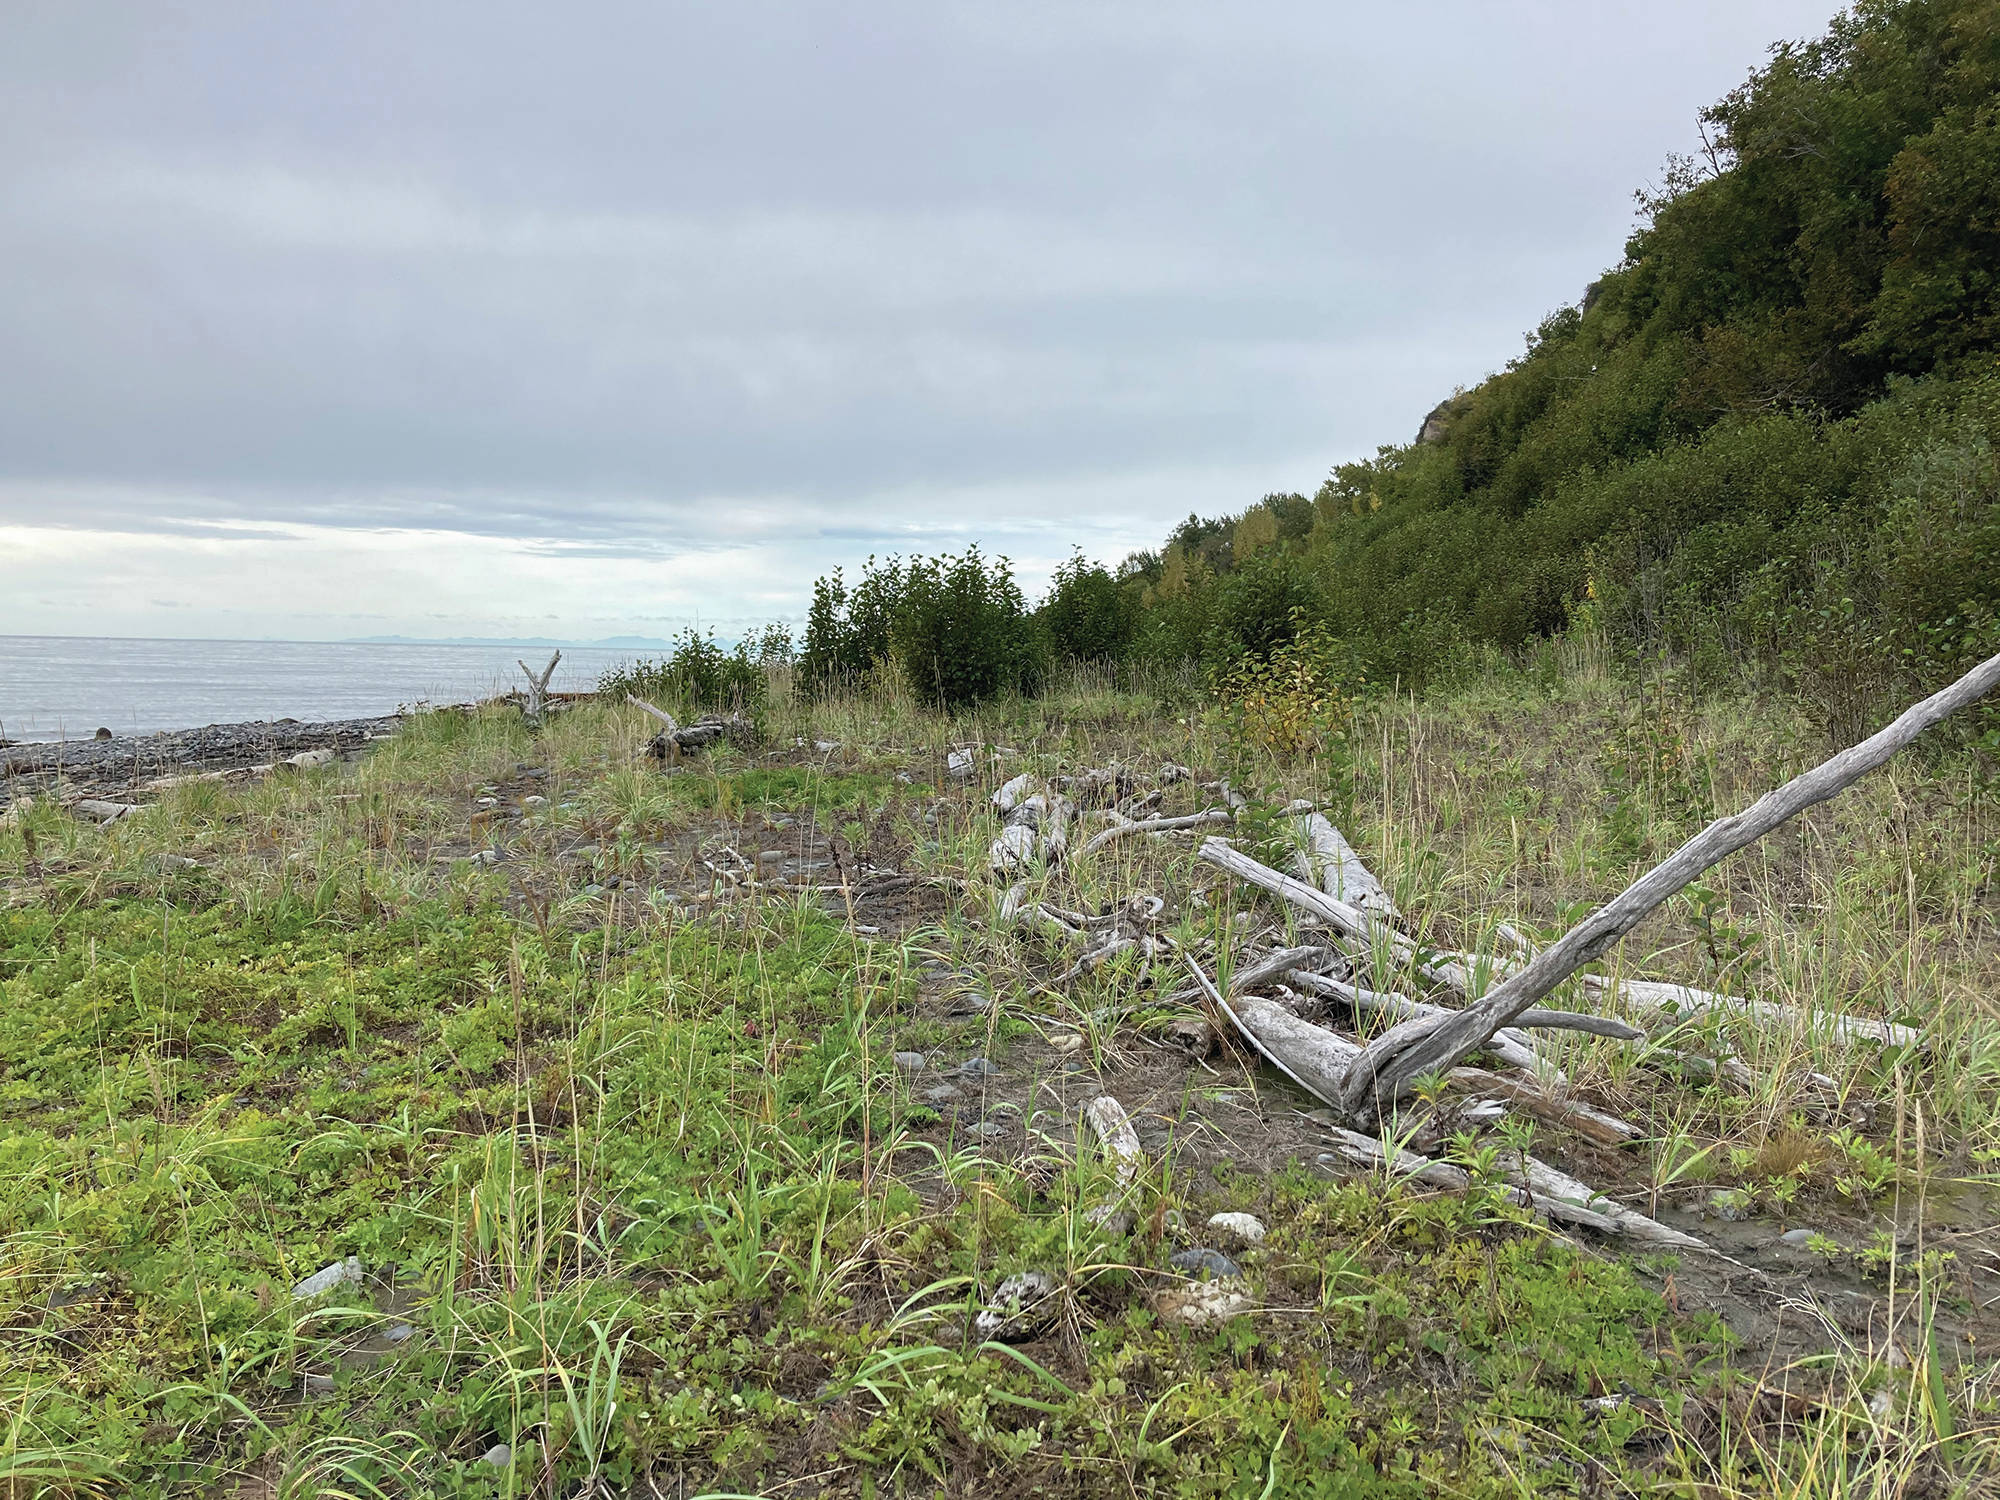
[1766, 436]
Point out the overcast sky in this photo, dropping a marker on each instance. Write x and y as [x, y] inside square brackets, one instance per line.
[591, 319]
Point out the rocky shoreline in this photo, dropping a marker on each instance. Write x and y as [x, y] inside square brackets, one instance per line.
[95, 765]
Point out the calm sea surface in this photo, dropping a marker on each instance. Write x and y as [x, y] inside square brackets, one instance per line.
[67, 686]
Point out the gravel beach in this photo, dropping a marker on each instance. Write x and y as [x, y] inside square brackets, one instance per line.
[123, 765]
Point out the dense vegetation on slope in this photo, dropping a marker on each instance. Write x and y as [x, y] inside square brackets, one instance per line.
[1768, 432]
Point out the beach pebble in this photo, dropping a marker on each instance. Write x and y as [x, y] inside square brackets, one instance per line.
[341, 1273]
[534, 799]
[1238, 1231]
[1204, 1263]
[1205, 1303]
[909, 1062]
[1018, 1308]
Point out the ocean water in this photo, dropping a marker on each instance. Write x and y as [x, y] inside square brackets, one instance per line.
[57, 687]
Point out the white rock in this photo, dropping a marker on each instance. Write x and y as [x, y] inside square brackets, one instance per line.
[1018, 1308]
[958, 764]
[534, 799]
[499, 1455]
[1238, 1231]
[1203, 1304]
[340, 1273]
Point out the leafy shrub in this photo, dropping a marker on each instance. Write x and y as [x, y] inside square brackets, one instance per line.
[964, 634]
[699, 677]
[848, 630]
[1295, 700]
[1088, 615]
[956, 628]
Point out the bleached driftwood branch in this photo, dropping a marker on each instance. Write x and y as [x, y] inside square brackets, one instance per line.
[1209, 818]
[1325, 856]
[1389, 1064]
[537, 696]
[659, 713]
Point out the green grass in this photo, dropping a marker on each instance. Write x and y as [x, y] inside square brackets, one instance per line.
[661, 1212]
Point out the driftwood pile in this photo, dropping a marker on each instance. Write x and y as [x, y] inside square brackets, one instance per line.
[675, 738]
[1277, 998]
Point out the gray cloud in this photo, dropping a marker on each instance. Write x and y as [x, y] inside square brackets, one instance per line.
[657, 278]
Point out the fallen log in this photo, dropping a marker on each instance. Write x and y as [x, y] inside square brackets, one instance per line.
[1326, 858]
[1588, 1121]
[1384, 1072]
[1508, 1045]
[1565, 1198]
[1534, 1018]
[705, 731]
[103, 812]
[1685, 1000]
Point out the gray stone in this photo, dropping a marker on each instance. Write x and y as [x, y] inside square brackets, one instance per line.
[1204, 1263]
[770, 856]
[990, 1130]
[341, 1273]
[1796, 1237]
[944, 1093]
[399, 1333]
[979, 1067]
[1205, 1303]
[910, 1062]
[499, 1455]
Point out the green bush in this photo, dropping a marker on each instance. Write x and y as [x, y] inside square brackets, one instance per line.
[699, 677]
[964, 633]
[848, 630]
[956, 628]
[1088, 616]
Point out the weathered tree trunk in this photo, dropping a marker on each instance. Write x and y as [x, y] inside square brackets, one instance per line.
[537, 696]
[1327, 858]
[1387, 1066]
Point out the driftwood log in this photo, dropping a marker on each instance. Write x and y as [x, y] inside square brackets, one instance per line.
[1326, 858]
[674, 736]
[1393, 1061]
[535, 701]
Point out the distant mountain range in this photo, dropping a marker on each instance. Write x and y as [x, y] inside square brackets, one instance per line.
[515, 643]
